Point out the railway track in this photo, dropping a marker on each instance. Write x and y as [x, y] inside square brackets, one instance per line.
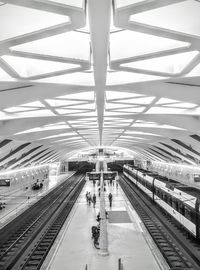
[179, 253]
[26, 241]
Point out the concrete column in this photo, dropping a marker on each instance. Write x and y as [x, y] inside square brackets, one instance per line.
[103, 241]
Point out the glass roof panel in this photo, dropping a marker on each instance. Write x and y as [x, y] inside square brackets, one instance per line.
[75, 3]
[17, 109]
[184, 17]
[165, 102]
[154, 125]
[137, 101]
[68, 111]
[126, 44]
[23, 114]
[131, 109]
[58, 135]
[37, 20]
[122, 77]
[56, 126]
[123, 3]
[72, 44]
[27, 67]
[170, 64]
[130, 137]
[83, 79]
[80, 96]
[194, 72]
[62, 102]
[112, 95]
[171, 110]
[141, 133]
[4, 76]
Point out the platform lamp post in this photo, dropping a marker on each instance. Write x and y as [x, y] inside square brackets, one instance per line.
[103, 239]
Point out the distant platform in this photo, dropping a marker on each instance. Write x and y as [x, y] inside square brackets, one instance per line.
[19, 200]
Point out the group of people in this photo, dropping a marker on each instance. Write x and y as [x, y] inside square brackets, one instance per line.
[93, 199]
[90, 199]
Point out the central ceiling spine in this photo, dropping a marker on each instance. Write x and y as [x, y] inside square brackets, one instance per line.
[99, 16]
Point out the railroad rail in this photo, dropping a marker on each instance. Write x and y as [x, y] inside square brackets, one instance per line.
[179, 252]
[26, 241]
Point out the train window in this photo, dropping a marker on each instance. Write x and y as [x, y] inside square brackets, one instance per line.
[187, 212]
[182, 209]
[165, 197]
[190, 214]
[170, 200]
[175, 204]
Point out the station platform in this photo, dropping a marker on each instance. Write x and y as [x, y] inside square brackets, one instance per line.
[16, 201]
[127, 237]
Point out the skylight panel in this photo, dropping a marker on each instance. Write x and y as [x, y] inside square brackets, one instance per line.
[32, 106]
[28, 67]
[88, 106]
[126, 44]
[26, 114]
[93, 113]
[195, 72]
[37, 20]
[74, 45]
[78, 78]
[109, 113]
[57, 135]
[17, 109]
[132, 137]
[131, 109]
[138, 100]
[62, 102]
[80, 96]
[45, 128]
[123, 3]
[172, 64]
[171, 110]
[74, 3]
[122, 77]
[183, 105]
[116, 106]
[141, 133]
[4, 76]
[155, 125]
[184, 17]
[75, 138]
[68, 111]
[115, 95]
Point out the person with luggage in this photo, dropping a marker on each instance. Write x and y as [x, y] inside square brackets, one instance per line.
[94, 199]
[110, 199]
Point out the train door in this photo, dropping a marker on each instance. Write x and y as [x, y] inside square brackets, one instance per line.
[197, 210]
[136, 178]
[153, 189]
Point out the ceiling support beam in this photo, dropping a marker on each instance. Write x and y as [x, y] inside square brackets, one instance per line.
[99, 16]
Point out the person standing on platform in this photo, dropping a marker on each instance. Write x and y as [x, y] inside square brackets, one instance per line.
[110, 199]
[99, 189]
[94, 200]
[89, 198]
[86, 196]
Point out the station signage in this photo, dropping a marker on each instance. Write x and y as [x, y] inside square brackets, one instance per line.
[5, 182]
[196, 177]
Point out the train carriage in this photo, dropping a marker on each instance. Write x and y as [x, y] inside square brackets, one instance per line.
[180, 201]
